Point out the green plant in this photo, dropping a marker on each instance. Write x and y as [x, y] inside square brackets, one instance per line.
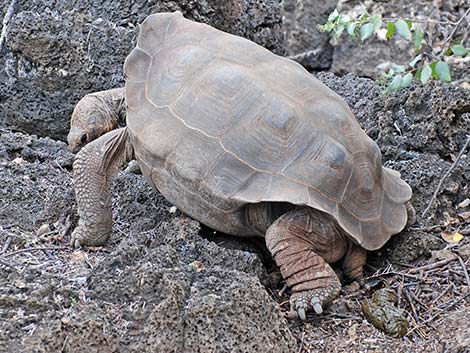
[428, 63]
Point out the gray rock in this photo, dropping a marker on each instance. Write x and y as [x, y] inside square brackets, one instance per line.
[34, 189]
[305, 43]
[160, 286]
[57, 51]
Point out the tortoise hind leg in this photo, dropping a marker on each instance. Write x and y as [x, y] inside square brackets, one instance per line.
[303, 243]
[354, 261]
[93, 169]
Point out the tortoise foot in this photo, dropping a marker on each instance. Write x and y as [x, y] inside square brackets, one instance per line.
[314, 299]
[82, 236]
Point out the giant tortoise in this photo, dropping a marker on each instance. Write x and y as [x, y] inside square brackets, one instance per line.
[246, 142]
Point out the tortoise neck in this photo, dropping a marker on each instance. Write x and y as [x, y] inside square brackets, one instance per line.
[112, 105]
[118, 101]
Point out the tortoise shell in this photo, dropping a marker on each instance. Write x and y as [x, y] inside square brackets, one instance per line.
[218, 122]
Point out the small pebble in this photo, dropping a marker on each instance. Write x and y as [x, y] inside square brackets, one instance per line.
[43, 229]
[18, 160]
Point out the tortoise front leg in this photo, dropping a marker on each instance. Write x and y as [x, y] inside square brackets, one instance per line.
[93, 169]
[303, 243]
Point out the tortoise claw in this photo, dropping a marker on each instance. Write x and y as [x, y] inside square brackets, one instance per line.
[75, 243]
[300, 307]
[316, 305]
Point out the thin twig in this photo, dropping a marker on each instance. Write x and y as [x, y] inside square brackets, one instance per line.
[446, 174]
[442, 294]
[465, 272]
[416, 20]
[6, 245]
[6, 23]
[431, 266]
[439, 313]
[413, 309]
[34, 249]
[459, 22]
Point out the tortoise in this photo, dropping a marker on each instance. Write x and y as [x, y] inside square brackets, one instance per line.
[249, 144]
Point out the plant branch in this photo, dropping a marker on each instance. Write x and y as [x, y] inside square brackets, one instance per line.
[446, 175]
[34, 249]
[454, 30]
[446, 23]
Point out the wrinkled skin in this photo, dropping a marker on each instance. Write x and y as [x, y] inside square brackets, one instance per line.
[94, 115]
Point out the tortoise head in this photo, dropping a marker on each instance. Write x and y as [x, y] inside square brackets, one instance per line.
[92, 117]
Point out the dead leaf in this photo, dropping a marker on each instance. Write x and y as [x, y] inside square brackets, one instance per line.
[464, 203]
[352, 331]
[465, 215]
[78, 257]
[451, 220]
[451, 237]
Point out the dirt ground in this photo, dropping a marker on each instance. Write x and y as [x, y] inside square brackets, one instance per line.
[164, 283]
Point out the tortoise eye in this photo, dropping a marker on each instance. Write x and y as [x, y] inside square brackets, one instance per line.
[83, 139]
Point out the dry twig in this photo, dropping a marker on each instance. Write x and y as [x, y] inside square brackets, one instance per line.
[431, 266]
[459, 22]
[6, 245]
[446, 174]
[465, 272]
[35, 249]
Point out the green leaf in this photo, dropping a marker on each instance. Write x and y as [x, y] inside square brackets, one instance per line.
[337, 33]
[458, 50]
[395, 84]
[333, 16]
[418, 38]
[443, 71]
[415, 60]
[351, 28]
[344, 19]
[390, 30]
[364, 17]
[418, 74]
[426, 73]
[402, 29]
[406, 81]
[366, 31]
[398, 68]
[327, 27]
[408, 23]
[376, 21]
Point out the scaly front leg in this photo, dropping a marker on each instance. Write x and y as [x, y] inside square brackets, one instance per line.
[303, 243]
[94, 167]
